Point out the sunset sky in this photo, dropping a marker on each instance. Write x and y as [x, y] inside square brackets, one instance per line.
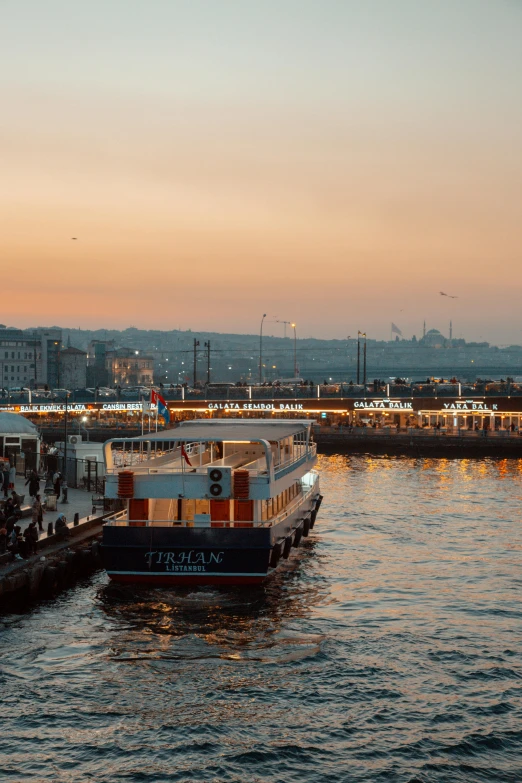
[333, 162]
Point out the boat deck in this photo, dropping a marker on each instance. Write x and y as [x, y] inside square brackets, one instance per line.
[143, 462]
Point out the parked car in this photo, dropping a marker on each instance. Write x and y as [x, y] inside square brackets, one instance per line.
[61, 394]
[136, 392]
[102, 391]
[41, 394]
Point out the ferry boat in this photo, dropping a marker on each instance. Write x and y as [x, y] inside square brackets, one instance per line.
[210, 501]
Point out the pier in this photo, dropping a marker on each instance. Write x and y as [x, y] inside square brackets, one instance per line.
[58, 561]
[410, 441]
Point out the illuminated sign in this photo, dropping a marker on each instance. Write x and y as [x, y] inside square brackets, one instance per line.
[53, 408]
[470, 405]
[254, 406]
[122, 407]
[385, 405]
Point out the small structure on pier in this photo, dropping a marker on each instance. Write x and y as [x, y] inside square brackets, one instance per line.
[19, 436]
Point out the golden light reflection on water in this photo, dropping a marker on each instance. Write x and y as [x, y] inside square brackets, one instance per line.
[391, 639]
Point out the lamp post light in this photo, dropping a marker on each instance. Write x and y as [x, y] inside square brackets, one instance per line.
[358, 355]
[196, 345]
[364, 364]
[295, 350]
[64, 482]
[359, 335]
[261, 349]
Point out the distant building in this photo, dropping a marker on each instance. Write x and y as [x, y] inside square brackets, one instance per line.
[29, 357]
[129, 368]
[97, 371]
[73, 369]
[434, 339]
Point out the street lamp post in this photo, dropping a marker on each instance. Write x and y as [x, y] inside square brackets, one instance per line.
[261, 349]
[295, 351]
[359, 335]
[196, 344]
[64, 497]
[358, 355]
[207, 346]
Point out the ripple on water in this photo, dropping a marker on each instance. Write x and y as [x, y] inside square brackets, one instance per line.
[388, 649]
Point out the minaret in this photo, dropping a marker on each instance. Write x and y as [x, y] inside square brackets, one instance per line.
[424, 329]
[451, 331]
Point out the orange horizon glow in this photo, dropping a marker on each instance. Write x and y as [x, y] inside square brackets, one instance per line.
[339, 173]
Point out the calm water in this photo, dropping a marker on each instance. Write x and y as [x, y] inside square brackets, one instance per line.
[389, 649]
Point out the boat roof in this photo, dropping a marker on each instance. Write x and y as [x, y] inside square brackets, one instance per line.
[218, 430]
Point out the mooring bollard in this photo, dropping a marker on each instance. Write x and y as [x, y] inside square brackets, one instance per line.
[76, 519]
[50, 529]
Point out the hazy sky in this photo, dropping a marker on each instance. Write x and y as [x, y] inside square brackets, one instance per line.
[333, 162]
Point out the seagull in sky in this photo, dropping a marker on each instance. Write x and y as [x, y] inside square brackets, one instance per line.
[448, 295]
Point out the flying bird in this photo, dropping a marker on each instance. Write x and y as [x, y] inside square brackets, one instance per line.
[74, 237]
[448, 295]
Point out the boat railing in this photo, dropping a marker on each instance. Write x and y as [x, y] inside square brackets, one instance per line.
[140, 466]
[119, 519]
[290, 508]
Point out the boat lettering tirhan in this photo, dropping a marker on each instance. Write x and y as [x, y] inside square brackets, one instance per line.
[209, 502]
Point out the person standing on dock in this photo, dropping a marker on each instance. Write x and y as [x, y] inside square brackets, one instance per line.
[38, 512]
[5, 476]
[34, 483]
[12, 476]
[57, 479]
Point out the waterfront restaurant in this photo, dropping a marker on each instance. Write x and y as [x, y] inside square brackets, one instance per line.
[450, 412]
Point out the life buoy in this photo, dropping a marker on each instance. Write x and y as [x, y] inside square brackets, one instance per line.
[275, 556]
[306, 526]
[287, 547]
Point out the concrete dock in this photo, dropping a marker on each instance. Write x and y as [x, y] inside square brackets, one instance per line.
[58, 561]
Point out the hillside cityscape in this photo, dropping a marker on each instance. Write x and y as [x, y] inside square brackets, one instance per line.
[77, 358]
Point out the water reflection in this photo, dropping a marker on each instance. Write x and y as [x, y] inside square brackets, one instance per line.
[388, 650]
[231, 622]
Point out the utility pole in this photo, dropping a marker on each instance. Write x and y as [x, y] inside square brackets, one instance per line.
[295, 350]
[261, 349]
[207, 346]
[65, 442]
[196, 343]
[358, 356]
[364, 363]
[359, 335]
[35, 372]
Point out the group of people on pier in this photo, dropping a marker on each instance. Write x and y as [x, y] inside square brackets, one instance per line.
[23, 544]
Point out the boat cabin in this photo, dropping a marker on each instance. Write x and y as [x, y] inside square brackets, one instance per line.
[215, 473]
